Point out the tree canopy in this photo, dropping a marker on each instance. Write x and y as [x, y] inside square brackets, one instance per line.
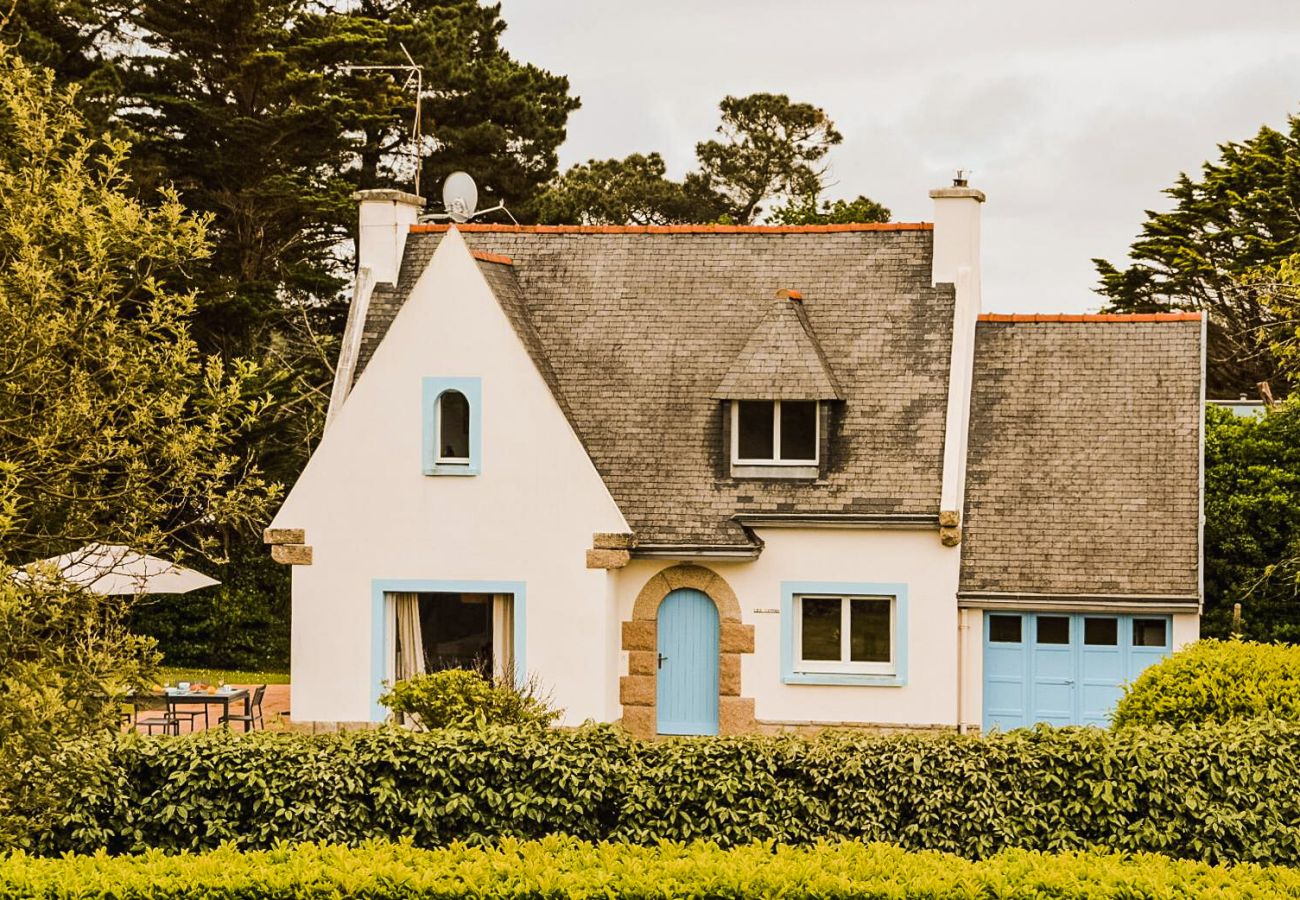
[1252, 522]
[1229, 228]
[113, 428]
[771, 148]
[630, 191]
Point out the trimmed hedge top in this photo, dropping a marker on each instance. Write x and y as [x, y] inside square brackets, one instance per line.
[564, 867]
[1215, 794]
[1216, 681]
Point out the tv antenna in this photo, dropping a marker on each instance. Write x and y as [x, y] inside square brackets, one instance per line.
[460, 201]
[414, 77]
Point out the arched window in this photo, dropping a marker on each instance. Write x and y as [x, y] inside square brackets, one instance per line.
[453, 428]
[452, 418]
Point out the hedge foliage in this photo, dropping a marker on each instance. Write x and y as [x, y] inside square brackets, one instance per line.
[564, 867]
[1218, 794]
[1216, 681]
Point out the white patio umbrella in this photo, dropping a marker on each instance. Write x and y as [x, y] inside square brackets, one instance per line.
[114, 569]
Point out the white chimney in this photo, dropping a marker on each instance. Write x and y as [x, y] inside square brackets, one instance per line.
[386, 217]
[957, 262]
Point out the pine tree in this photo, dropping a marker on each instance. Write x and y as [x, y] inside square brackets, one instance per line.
[484, 112]
[1239, 220]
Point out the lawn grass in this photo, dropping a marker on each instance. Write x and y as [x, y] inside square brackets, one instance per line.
[172, 675]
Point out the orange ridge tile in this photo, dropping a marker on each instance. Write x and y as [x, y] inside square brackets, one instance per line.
[1091, 317]
[484, 256]
[429, 227]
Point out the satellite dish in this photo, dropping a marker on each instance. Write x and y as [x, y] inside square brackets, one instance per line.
[459, 197]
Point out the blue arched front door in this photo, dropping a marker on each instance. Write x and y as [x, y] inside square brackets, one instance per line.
[686, 695]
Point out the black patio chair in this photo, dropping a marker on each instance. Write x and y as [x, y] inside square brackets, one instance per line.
[165, 720]
[254, 719]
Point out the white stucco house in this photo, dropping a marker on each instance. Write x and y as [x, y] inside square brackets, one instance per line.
[721, 479]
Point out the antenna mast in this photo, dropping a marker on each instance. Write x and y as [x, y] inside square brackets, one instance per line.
[414, 75]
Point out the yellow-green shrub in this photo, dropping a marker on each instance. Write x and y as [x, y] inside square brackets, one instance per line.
[1216, 681]
[463, 698]
[1226, 793]
[564, 867]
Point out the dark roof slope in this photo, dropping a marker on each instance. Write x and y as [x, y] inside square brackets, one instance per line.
[1084, 457]
[640, 325]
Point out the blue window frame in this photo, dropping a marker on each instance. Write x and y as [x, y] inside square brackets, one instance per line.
[452, 424]
[871, 664]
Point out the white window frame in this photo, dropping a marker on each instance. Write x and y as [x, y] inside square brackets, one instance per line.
[738, 460]
[844, 665]
[438, 458]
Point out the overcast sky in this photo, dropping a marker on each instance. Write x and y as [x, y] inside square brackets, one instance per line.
[1072, 116]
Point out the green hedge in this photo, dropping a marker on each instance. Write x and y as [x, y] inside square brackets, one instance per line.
[563, 867]
[1216, 681]
[1215, 794]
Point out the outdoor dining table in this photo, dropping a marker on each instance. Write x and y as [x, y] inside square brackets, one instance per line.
[177, 697]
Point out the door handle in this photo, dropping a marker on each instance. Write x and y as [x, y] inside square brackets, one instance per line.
[661, 660]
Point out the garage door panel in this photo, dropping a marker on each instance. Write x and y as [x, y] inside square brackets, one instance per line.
[1065, 676]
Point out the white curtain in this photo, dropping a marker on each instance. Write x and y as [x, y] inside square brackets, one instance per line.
[410, 640]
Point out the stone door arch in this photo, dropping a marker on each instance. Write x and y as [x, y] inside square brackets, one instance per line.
[637, 688]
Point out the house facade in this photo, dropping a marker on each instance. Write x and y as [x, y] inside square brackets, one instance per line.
[716, 479]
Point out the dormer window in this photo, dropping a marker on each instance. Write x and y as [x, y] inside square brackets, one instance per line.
[774, 432]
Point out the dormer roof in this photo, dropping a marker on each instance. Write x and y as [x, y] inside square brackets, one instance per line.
[782, 360]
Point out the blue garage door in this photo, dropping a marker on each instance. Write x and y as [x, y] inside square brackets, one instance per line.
[1064, 668]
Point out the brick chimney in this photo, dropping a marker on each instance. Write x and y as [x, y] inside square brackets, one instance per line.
[957, 262]
[386, 216]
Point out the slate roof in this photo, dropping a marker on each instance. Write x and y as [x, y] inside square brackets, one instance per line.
[1083, 466]
[1084, 457]
[782, 360]
[640, 327]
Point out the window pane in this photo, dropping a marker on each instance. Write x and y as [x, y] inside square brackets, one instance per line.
[1053, 630]
[1004, 629]
[869, 633]
[456, 630]
[453, 426]
[798, 430]
[1101, 632]
[1148, 632]
[755, 436]
[821, 628]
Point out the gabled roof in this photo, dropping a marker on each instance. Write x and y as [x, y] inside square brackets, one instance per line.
[1083, 462]
[782, 359]
[639, 327]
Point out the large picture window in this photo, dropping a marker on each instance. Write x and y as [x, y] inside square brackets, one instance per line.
[774, 432]
[844, 633]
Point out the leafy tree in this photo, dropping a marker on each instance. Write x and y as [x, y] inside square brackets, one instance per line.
[773, 147]
[114, 427]
[770, 147]
[805, 211]
[73, 38]
[1237, 220]
[1252, 523]
[631, 191]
